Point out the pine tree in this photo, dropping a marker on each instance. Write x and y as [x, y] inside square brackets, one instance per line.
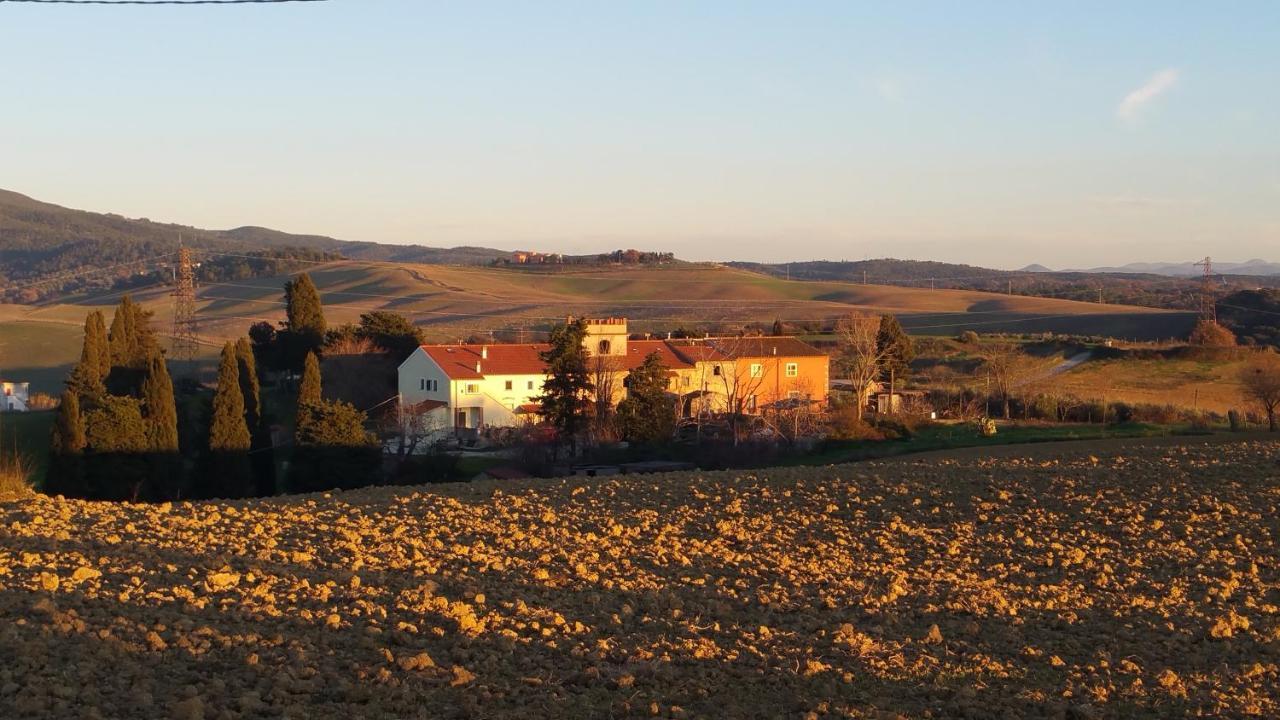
[564, 393]
[895, 346]
[68, 427]
[310, 390]
[160, 407]
[249, 387]
[228, 431]
[648, 412]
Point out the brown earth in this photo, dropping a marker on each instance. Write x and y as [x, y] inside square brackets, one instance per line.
[1134, 582]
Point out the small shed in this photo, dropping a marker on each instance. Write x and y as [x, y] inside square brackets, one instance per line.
[901, 401]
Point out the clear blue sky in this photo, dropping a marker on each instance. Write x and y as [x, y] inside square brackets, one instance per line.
[992, 133]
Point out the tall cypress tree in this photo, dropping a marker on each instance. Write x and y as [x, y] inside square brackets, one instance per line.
[249, 387]
[228, 431]
[86, 379]
[123, 339]
[68, 427]
[96, 328]
[310, 391]
[226, 471]
[303, 308]
[66, 450]
[160, 407]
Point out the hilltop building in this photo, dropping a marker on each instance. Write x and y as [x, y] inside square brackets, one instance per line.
[16, 396]
[473, 386]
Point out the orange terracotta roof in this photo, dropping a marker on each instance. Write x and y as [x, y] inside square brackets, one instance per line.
[459, 362]
[638, 350]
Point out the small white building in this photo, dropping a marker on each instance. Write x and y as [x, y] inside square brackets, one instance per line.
[16, 396]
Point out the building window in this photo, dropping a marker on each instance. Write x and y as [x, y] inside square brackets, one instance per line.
[530, 384]
[508, 385]
[604, 347]
[687, 381]
[422, 383]
[471, 388]
[793, 369]
[751, 403]
[757, 370]
[716, 371]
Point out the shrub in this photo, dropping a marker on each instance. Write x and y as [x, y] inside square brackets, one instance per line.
[15, 473]
[1208, 333]
[968, 337]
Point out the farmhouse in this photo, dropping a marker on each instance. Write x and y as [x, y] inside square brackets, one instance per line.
[16, 396]
[473, 386]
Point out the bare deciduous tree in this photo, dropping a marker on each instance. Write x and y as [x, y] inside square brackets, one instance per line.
[861, 358]
[1261, 380]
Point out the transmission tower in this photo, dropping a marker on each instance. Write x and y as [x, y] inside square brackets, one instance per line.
[1208, 303]
[184, 308]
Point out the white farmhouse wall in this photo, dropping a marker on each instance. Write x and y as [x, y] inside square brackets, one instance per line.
[493, 397]
[416, 369]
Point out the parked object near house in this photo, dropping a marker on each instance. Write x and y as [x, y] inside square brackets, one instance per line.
[499, 385]
[16, 396]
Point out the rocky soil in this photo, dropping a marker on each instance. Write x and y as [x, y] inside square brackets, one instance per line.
[1141, 584]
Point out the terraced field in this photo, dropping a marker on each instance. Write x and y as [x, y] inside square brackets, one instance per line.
[1134, 583]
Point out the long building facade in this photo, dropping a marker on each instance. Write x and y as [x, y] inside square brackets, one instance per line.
[475, 386]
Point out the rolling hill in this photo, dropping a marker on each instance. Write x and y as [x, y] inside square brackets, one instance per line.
[454, 302]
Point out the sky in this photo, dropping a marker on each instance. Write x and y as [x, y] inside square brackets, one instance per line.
[1070, 134]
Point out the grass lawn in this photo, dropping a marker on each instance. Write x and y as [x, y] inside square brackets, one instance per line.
[949, 437]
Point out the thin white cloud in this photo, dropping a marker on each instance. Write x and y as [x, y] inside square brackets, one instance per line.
[1131, 107]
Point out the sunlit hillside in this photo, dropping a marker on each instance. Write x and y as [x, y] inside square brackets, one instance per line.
[452, 302]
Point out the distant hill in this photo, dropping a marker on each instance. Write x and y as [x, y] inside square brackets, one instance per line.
[47, 250]
[1254, 267]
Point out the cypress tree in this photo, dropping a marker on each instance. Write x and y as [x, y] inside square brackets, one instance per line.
[302, 307]
[86, 379]
[122, 339]
[309, 392]
[249, 387]
[97, 330]
[67, 444]
[117, 467]
[68, 427]
[160, 406]
[227, 429]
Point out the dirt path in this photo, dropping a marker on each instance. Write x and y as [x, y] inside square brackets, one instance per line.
[1050, 449]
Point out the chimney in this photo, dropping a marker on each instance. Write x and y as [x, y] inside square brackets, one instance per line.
[478, 368]
[484, 352]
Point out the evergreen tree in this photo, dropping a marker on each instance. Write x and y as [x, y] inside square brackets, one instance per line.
[895, 347]
[333, 448]
[66, 460]
[777, 328]
[647, 415]
[68, 427]
[305, 325]
[116, 466]
[249, 387]
[86, 379]
[226, 472]
[391, 332]
[302, 306]
[161, 407]
[123, 338]
[228, 431]
[310, 390]
[564, 393]
[96, 335]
